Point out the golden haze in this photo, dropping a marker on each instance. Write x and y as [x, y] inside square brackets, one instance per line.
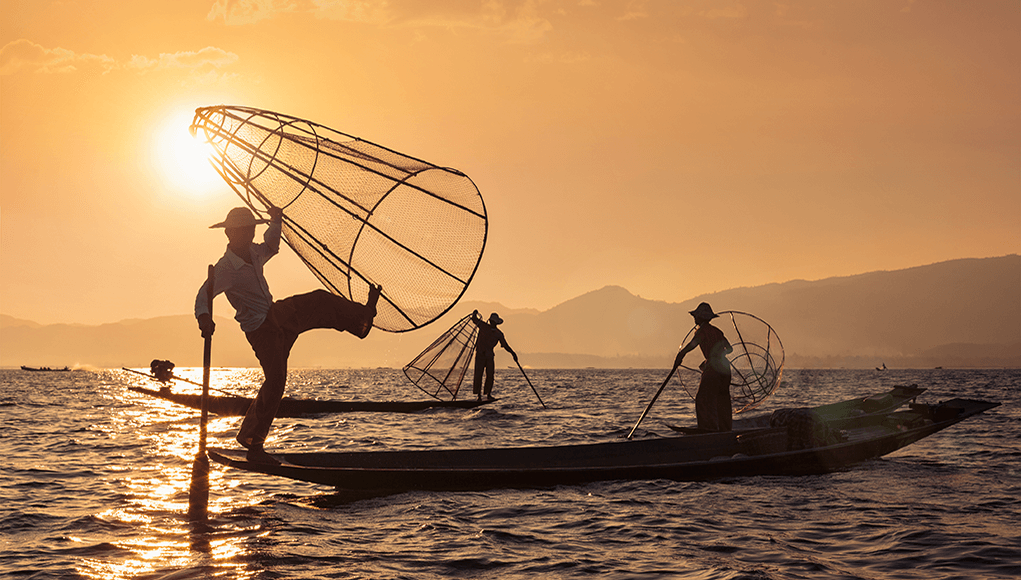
[671, 148]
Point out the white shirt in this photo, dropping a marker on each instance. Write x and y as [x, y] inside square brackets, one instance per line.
[244, 283]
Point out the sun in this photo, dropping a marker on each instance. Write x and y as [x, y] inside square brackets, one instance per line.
[182, 160]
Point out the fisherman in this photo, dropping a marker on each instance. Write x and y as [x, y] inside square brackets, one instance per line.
[712, 402]
[163, 370]
[271, 327]
[485, 355]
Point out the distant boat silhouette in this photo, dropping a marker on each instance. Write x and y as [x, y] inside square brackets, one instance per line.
[882, 368]
[46, 369]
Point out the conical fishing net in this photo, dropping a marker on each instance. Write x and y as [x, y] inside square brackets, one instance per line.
[356, 212]
[442, 366]
[756, 365]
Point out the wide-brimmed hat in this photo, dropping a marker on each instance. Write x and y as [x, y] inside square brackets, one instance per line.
[239, 217]
[495, 319]
[704, 312]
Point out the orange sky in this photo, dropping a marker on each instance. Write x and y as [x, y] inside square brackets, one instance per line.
[673, 148]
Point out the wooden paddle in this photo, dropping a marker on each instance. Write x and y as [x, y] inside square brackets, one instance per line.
[198, 494]
[531, 385]
[654, 397]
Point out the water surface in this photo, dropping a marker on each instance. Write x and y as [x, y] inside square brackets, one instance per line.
[95, 485]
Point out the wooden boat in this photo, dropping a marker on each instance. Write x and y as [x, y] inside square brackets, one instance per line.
[788, 450]
[44, 369]
[234, 406]
[833, 412]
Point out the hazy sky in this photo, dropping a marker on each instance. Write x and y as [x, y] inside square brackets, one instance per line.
[671, 147]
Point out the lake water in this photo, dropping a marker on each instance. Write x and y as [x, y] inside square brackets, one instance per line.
[95, 485]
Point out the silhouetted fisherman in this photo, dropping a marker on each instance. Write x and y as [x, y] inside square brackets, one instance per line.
[271, 327]
[163, 370]
[485, 355]
[712, 402]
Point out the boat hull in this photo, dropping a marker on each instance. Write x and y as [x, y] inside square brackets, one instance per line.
[686, 458]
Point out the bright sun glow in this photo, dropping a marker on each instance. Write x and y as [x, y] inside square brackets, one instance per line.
[182, 161]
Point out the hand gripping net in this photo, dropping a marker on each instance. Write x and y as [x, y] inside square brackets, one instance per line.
[355, 212]
[756, 365]
[443, 365]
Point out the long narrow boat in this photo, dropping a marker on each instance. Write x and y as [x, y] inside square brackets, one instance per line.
[233, 406]
[786, 450]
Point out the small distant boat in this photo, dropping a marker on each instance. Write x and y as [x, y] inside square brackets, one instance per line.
[795, 448]
[234, 406]
[44, 369]
[882, 368]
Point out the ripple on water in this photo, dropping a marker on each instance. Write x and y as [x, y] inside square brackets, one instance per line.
[96, 478]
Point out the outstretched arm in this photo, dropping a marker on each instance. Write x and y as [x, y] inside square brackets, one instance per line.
[692, 344]
[506, 347]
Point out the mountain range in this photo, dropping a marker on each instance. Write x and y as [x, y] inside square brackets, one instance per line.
[959, 313]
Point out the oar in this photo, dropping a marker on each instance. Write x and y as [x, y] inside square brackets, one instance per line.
[198, 494]
[531, 385]
[654, 397]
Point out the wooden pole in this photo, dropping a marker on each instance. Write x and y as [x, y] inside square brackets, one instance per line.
[531, 385]
[656, 396]
[198, 494]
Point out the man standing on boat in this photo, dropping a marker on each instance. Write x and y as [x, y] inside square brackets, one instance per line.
[485, 352]
[271, 327]
[712, 402]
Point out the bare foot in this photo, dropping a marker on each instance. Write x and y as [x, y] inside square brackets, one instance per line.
[259, 455]
[374, 292]
[370, 311]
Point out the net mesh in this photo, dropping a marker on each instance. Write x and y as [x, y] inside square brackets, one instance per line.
[756, 365]
[443, 365]
[356, 212]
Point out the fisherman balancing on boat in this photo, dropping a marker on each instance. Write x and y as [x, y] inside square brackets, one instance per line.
[485, 352]
[271, 327]
[712, 402]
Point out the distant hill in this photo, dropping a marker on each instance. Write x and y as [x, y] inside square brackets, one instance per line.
[960, 313]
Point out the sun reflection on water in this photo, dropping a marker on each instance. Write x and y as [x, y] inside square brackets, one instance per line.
[149, 533]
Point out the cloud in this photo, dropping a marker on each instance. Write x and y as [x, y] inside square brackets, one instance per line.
[519, 21]
[365, 11]
[203, 60]
[636, 10]
[240, 12]
[24, 54]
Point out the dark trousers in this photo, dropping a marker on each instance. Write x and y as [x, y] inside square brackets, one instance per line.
[712, 402]
[272, 344]
[485, 363]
